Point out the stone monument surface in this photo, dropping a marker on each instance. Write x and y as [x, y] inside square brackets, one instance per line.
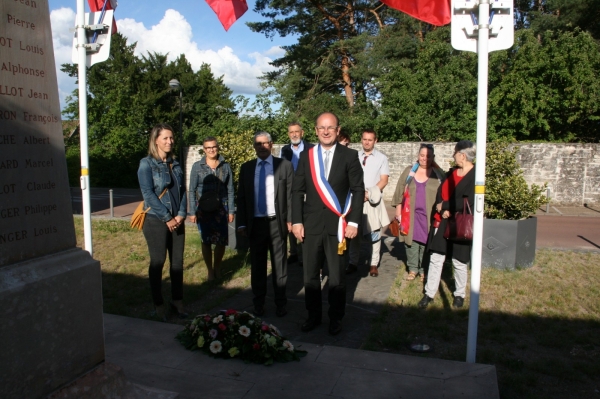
[50, 291]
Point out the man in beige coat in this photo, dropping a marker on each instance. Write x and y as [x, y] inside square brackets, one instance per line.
[376, 174]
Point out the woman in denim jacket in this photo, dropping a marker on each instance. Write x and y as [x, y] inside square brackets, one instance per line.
[163, 188]
[212, 175]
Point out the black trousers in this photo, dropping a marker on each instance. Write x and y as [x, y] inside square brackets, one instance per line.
[266, 238]
[316, 250]
[160, 241]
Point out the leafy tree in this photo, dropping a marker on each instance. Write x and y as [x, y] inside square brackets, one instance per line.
[561, 15]
[434, 97]
[548, 89]
[127, 95]
[338, 54]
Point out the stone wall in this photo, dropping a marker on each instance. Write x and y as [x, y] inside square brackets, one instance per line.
[572, 171]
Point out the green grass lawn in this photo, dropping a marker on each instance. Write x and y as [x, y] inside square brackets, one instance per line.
[540, 326]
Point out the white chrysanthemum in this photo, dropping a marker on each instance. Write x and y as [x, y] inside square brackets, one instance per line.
[232, 318]
[245, 331]
[218, 319]
[288, 345]
[216, 347]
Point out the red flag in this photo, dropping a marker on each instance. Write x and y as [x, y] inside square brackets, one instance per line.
[228, 11]
[97, 5]
[435, 12]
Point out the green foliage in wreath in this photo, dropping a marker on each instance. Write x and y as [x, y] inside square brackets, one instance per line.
[507, 194]
[230, 334]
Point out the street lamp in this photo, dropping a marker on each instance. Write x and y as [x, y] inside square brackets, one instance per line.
[175, 85]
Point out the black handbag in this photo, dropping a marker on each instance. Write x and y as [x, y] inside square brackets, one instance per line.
[210, 201]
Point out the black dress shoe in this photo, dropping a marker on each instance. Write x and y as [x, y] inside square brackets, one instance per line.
[281, 311]
[177, 308]
[310, 324]
[292, 259]
[259, 310]
[335, 327]
[458, 302]
[424, 302]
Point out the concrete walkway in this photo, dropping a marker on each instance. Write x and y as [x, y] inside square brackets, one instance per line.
[149, 355]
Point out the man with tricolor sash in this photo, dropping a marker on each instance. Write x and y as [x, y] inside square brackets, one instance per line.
[327, 202]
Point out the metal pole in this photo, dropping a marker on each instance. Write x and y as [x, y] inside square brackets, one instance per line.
[482, 99]
[548, 203]
[112, 209]
[83, 128]
[181, 126]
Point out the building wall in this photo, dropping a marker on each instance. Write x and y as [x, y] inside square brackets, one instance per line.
[572, 171]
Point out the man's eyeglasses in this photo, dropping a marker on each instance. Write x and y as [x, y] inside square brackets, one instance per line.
[365, 160]
[211, 148]
[263, 144]
[328, 128]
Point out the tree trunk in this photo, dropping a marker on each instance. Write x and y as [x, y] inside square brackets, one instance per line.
[347, 81]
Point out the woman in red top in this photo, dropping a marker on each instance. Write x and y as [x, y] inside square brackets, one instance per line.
[459, 184]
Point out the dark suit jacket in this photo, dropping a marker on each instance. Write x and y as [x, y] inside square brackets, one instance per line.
[283, 174]
[464, 189]
[345, 174]
[287, 153]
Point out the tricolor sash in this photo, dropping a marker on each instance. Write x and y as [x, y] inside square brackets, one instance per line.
[327, 194]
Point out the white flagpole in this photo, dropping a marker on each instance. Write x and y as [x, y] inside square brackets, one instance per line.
[83, 127]
[482, 110]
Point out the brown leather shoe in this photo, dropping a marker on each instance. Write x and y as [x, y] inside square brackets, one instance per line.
[373, 272]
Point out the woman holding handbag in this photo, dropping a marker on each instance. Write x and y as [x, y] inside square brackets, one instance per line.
[455, 195]
[211, 204]
[163, 188]
[417, 188]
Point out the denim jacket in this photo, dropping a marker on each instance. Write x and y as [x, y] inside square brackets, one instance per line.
[154, 177]
[202, 180]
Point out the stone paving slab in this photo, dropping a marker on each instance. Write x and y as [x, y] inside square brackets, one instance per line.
[146, 351]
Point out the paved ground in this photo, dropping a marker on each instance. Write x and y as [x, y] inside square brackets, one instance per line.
[150, 356]
[335, 367]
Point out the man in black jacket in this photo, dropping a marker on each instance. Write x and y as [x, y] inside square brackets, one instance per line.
[264, 215]
[291, 152]
[327, 201]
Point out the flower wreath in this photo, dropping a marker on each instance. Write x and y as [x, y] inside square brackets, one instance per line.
[231, 333]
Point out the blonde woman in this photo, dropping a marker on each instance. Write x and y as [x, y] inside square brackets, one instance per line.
[163, 188]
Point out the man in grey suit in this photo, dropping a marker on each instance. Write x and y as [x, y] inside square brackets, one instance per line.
[264, 215]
